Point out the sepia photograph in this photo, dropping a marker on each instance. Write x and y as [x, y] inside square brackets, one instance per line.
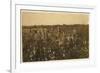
[54, 35]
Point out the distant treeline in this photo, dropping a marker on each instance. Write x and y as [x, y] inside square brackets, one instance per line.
[55, 42]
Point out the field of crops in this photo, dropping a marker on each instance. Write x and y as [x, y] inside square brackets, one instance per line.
[55, 42]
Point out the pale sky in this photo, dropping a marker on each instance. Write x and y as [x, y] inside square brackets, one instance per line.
[29, 18]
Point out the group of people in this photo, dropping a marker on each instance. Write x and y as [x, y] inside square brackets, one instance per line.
[53, 43]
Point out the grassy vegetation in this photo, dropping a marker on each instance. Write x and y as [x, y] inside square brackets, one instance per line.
[55, 42]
